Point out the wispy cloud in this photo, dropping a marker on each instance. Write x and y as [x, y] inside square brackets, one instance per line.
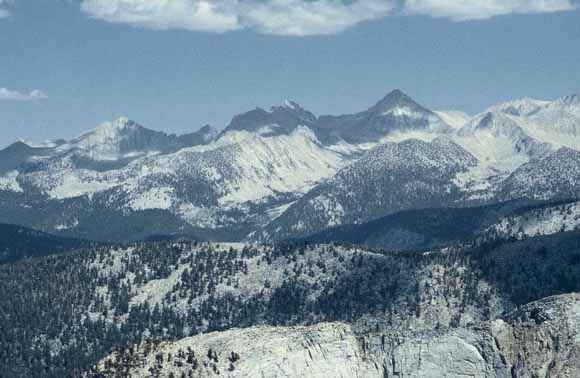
[3, 11]
[8, 94]
[465, 10]
[300, 17]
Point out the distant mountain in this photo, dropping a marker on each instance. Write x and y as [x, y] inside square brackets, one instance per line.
[390, 178]
[17, 154]
[235, 184]
[555, 122]
[108, 146]
[554, 176]
[396, 112]
[126, 139]
[499, 141]
[286, 172]
[420, 229]
[19, 242]
[430, 228]
[284, 119]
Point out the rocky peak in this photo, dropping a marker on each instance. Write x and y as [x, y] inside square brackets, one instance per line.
[570, 100]
[396, 99]
[286, 118]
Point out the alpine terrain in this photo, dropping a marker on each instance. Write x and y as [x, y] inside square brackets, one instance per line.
[396, 241]
[286, 173]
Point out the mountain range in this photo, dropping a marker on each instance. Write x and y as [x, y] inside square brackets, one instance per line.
[286, 173]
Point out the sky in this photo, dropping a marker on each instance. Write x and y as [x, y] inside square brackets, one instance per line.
[176, 65]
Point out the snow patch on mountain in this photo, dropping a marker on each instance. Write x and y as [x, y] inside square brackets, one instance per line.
[282, 164]
[67, 225]
[203, 217]
[500, 146]
[403, 111]
[555, 122]
[154, 198]
[71, 183]
[478, 181]
[331, 207]
[9, 182]
[521, 107]
[103, 142]
[455, 119]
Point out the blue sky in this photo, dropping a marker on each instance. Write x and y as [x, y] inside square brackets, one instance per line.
[175, 65]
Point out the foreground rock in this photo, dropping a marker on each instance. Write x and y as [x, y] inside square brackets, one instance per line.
[542, 339]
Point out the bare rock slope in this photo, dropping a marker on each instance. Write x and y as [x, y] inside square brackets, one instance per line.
[541, 339]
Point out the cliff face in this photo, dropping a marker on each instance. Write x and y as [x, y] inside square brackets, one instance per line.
[542, 339]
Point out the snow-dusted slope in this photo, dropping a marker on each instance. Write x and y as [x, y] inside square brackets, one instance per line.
[259, 169]
[554, 176]
[521, 107]
[542, 221]
[499, 142]
[198, 182]
[555, 122]
[454, 118]
[389, 178]
[500, 145]
[9, 183]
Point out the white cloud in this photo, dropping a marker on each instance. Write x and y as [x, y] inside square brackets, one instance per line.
[194, 15]
[7, 94]
[282, 17]
[466, 10]
[299, 17]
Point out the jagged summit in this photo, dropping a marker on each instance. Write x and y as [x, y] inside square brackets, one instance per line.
[108, 130]
[271, 158]
[573, 99]
[124, 138]
[395, 113]
[284, 118]
[396, 99]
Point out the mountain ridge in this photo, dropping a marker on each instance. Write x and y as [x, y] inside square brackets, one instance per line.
[250, 177]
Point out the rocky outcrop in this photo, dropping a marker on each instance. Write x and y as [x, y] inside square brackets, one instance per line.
[542, 339]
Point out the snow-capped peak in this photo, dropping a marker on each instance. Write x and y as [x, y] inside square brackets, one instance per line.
[396, 99]
[114, 127]
[521, 107]
[106, 132]
[498, 124]
[291, 104]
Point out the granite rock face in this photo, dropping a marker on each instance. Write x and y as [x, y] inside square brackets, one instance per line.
[542, 339]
